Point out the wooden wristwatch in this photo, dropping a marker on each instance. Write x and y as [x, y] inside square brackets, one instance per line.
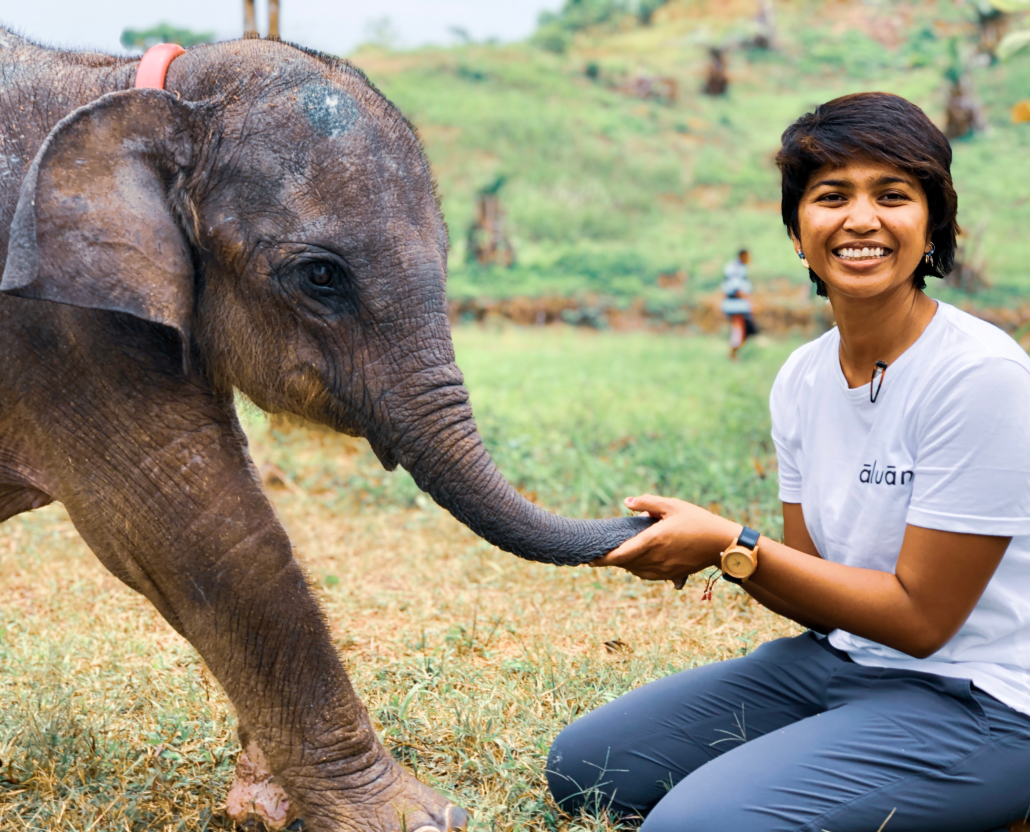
[740, 560]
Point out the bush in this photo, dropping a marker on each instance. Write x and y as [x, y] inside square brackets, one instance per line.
[164, 33]
[551, 35]
[647, 8]
[924, 48]
[581, 14]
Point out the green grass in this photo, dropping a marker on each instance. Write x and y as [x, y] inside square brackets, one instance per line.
[580, 420]
[469, 660]
[605, 191]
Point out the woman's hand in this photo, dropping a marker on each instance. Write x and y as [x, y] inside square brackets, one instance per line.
[686, 539]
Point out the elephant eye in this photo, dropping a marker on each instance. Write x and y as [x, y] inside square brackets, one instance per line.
[320, 273]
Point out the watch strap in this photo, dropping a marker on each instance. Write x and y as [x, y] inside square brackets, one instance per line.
[748, 538]
[732, 580]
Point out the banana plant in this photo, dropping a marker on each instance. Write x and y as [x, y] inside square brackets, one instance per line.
[1013, 41]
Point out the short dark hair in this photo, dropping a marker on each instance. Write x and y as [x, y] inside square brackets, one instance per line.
[885, 128]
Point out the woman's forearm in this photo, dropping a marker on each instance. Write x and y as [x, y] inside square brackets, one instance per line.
[781, 607]
[866, 602]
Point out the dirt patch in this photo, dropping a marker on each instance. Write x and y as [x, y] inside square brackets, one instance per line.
[779, 309]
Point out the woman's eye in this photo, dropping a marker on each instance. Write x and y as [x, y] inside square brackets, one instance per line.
[319, 274]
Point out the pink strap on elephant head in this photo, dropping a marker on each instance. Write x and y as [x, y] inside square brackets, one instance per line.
[153, 66]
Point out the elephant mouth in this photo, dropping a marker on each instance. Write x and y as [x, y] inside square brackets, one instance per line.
[387, 458]
[337, 416]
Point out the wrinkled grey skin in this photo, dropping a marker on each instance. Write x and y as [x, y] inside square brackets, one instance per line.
[164, 247]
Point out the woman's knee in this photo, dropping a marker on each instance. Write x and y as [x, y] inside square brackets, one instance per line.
[576, 766]
[594, 766]
[689, 809]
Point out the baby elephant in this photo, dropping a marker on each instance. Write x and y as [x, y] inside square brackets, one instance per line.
[265, 222]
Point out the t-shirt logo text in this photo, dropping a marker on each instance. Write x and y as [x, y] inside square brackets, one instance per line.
[869, 474]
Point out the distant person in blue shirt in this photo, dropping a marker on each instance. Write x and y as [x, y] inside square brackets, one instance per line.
[736, 303]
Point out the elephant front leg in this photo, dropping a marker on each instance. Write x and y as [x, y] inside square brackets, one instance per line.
[207, 550]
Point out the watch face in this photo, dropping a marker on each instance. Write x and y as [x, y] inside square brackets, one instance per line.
[738, 564]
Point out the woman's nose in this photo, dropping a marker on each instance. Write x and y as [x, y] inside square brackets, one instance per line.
[863, 216]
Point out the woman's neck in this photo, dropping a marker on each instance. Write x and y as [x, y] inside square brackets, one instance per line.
[879, 328]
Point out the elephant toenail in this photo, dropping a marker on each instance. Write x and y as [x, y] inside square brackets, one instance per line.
[456, 817]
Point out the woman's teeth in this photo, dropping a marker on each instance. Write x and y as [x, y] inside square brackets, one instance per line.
[862, 253]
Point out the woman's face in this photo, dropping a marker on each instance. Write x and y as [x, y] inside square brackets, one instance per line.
[863, 227]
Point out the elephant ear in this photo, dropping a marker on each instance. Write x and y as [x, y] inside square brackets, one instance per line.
[95, 225]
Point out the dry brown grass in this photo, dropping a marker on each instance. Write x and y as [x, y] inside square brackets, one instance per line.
[469, 660]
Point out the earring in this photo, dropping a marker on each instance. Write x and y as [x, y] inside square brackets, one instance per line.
[801, 256]
[928, 256]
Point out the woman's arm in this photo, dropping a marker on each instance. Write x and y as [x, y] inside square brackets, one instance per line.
[938, 580]
[796, 536]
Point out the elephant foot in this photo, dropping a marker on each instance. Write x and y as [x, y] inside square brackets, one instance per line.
[400, 803]
[256, 802]
[411, 806]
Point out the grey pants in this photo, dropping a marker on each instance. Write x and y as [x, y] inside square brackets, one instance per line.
[796, 737]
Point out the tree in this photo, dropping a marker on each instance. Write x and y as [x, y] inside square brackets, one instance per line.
[964, 113]
[716, 79]
[488, 243]
[164, 33]
[991, 23]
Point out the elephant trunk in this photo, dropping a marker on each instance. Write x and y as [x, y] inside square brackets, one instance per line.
[443, 451]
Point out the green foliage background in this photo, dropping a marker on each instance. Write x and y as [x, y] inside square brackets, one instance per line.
[605, 191]
[164, 33]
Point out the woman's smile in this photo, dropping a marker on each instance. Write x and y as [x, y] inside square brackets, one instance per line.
[863, 253]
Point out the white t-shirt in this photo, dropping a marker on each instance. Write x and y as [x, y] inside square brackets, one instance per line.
[946, 446]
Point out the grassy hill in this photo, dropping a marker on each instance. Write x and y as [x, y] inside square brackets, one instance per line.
[605, 191]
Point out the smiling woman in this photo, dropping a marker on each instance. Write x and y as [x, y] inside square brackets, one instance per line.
[904, 463]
